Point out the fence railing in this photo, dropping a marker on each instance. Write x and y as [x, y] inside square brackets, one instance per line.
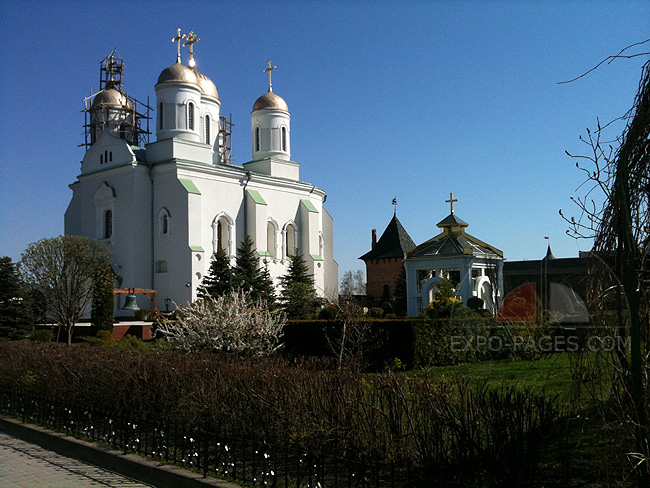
[208, 451]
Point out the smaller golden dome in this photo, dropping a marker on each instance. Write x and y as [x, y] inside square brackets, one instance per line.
[208, 88]
[270, 101]
[178, 73]
[110, 97]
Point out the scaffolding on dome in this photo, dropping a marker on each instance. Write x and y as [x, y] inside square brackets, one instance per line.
[125, 117]
[225, 144]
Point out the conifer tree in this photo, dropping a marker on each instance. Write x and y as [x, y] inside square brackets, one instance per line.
[298, 294]
[266, 289]
[219, 279]
[247, 276]
[15, 305]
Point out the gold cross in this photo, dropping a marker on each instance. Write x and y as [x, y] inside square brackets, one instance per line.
[269, 69]
[177, 40]
[451, 201]
[191, 39]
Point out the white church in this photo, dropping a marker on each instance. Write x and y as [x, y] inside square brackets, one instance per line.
[163, 208]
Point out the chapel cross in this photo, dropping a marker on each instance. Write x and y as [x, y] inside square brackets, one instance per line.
[269, 69]
[191, 39]
[394, 202]
[451, 201]
[177, 40]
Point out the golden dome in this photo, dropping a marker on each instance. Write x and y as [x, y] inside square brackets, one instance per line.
[270, 101]
[208, 88]
[111, 97]
[178, 73]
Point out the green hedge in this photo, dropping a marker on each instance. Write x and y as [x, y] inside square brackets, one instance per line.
[416, 342]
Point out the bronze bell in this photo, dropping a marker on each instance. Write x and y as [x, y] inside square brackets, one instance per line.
[131, 303]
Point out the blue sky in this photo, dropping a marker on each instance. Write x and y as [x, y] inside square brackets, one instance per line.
[412, 100]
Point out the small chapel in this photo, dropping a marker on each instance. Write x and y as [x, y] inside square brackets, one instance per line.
[474, 267]
[164, 207]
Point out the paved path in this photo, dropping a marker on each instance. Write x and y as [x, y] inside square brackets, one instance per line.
[25, 465]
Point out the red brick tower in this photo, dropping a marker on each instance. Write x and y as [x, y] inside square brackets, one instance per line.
[385, 260]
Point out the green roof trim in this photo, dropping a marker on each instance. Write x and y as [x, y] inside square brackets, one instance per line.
[309, 205]
[264, 253]
[316, 257]
[197, 249]
[257, 198]
[189, 186]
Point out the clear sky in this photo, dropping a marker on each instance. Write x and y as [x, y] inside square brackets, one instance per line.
[406, 99]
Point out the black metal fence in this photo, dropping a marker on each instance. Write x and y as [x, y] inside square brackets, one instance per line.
[208, 451]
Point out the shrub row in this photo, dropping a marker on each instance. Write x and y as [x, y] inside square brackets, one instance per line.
[414, 342]
[443, 427]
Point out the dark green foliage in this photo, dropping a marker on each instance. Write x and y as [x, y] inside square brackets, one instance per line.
[101, 315]
[266, 288]
[16, 317]
[400, 293]
[247, 275]
[298, 295]
[219, 279]
[445, 305]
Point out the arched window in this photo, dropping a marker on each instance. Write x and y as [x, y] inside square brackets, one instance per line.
[207, 129]
[270, 239]
[289, 240]
[160, 116]
[108, 224]
[101, 159]
[164, 222]
[284, 139]
[257, 139]
[110, 156]
[222, 232]
[190, 116]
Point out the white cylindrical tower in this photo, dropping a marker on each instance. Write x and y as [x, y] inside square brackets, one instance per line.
[209, 111]
[271, 128]
[178, 104]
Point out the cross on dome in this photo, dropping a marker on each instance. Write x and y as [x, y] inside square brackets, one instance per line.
[177, 40]
[191, 39]
[269, 69]
[451, 201]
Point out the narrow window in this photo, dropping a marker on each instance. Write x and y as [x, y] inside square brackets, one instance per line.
[165, 224]
[106, 156]
[190, 116]
[270, 239]
[110, 156]
[284, 139]
[160, 115]
[220, 243]
[290, 240]
[207, 129]
[257, 139]
[101, 159]
[108, 224]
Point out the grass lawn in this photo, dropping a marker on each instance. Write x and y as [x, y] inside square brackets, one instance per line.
[550, 375]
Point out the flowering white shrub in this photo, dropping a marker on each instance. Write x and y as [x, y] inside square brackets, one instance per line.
[231, 322]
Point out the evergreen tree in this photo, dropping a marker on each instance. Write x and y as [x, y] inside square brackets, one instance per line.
[219, 280]
[16, 317]
[267, 290]
[101, 314]
[247, 276]
[298, 294]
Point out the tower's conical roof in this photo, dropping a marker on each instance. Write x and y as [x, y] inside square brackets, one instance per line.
[393, 243]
